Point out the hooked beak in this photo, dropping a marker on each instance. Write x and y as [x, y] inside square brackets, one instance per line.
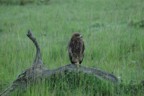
[80, 36]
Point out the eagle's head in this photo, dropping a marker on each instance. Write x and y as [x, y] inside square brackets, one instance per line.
[77, 36]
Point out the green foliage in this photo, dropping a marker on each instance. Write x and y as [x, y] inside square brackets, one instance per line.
[112, 44]
[70, 84]
[23, 2]
[89, 85]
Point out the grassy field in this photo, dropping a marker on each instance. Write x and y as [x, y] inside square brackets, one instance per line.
[113, 32]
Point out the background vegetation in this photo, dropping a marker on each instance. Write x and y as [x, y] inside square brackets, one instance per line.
[113, 32]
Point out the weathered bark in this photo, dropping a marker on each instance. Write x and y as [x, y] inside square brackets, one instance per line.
[39, 71]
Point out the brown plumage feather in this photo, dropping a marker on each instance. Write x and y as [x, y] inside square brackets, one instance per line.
[76, 49]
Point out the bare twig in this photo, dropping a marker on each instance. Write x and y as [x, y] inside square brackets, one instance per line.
[38, 58]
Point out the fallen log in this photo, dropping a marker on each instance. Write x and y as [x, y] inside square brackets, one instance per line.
[39, 71]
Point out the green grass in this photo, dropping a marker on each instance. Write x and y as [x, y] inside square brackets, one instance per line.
[111, 43]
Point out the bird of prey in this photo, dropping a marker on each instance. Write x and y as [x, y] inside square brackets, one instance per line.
[76, 49]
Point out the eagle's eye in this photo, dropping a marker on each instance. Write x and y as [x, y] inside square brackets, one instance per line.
[78, 35]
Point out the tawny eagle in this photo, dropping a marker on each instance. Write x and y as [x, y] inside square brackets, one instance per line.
[76, 49]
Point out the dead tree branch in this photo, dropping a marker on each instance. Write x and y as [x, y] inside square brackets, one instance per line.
[38, 58]
[39, 71]
[92, 71]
